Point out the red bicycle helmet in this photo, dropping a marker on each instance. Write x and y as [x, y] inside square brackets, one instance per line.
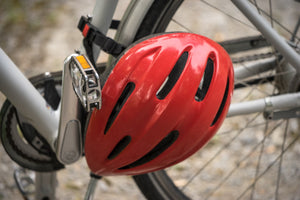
[165, 98]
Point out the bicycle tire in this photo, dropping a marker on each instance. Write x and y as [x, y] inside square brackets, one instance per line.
[158, 185]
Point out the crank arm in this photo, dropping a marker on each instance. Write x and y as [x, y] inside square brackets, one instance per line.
[81, 93]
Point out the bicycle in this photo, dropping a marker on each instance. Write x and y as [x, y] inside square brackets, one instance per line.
[158, 185]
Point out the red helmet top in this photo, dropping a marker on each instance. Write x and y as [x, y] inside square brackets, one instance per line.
[165, 98]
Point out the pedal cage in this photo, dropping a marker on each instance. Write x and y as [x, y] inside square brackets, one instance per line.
[86, 82]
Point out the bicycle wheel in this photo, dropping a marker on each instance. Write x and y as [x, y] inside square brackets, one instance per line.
[253, 156]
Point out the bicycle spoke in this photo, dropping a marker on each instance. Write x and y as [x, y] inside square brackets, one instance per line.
[259, 159]
[238, 164]
[281, 160]
[270, 165]
[227, 14]
[256, 88]
[250, 163]
[271, 13]
[249, 126]
[256, 5]
[273, 20]
[183, 26]
[217, 154]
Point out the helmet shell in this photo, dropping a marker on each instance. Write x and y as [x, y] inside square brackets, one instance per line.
[165, 98]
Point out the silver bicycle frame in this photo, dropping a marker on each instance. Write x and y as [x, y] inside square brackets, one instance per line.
[18, 89]
[128, 29]
[268, 32]
[31, 104]
[273, 103]
[28, 101]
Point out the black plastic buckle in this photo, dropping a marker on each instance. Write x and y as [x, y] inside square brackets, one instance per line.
[93, 35]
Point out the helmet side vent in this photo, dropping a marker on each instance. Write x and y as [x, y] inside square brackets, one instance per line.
[205, 81]
[173, 77]
[122, 144]
[121, 101]
[163, 145]
[222, 104]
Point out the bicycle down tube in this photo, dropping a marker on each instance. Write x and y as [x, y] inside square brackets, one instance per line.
[28, 101]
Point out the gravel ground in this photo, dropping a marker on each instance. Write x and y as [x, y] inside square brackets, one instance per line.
[42, 43]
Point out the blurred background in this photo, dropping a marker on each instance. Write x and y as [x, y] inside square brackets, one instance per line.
[39, 34]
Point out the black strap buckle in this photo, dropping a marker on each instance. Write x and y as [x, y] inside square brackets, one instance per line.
[93, 35]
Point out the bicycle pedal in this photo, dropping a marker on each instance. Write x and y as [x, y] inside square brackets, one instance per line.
[86, 82]
[24, 182]
[81, 85]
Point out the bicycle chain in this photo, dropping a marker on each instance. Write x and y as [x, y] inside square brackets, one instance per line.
[24, 157]
[11, 141]
[252, 57]
[260, 56]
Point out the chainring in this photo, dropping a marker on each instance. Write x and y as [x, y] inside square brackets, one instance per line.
[21, 141]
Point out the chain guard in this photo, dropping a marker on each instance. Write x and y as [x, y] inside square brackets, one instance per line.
[21, 141]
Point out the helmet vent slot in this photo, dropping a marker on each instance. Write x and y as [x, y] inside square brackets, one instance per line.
[163, 145]
[123, 143]
[173, 77]
[121, 101]
[222, 104]
[205, 81]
